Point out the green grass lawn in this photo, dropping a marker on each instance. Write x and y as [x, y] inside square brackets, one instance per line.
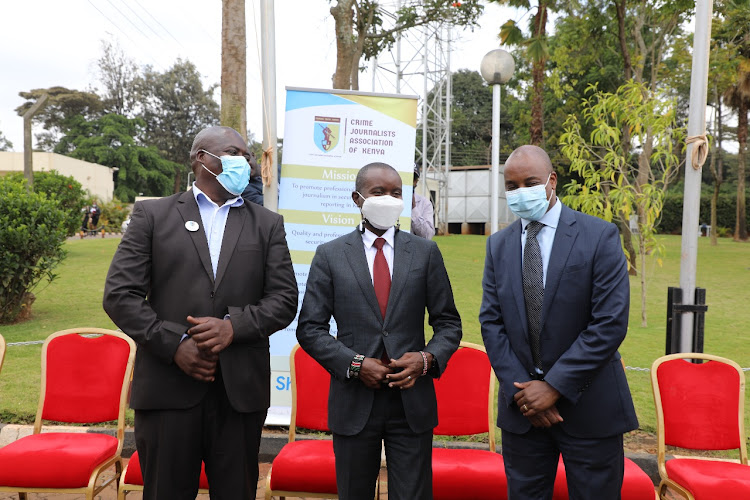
[75, 298]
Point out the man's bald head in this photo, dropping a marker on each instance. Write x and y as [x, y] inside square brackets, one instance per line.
[208, 137]
[530, 154]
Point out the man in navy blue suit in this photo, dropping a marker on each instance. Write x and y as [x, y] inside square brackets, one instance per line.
[554, 312]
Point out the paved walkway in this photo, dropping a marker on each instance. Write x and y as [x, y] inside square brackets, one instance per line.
[110, 493]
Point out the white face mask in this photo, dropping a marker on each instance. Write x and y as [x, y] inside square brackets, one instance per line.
[381, 212]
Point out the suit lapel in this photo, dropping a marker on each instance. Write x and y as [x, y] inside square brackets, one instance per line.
[402, 257]
[235, 221]
[188, 208]
[513, 250]
[565, 236]
[355, 255]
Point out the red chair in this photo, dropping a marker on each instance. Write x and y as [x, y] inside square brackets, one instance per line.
[132, 478]
[305, 468]
[700, 407]
[636, 485]
[465, 398]
[84, 380]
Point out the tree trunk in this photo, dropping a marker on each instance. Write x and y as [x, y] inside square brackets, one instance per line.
[740, 228]
[627, 64]
[537, 101]
[343, 15]
[234, 66]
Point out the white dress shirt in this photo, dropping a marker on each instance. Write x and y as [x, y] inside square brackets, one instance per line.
[546, 235]
[368, 238]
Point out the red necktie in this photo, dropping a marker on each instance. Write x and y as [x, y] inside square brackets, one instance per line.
[381, 276]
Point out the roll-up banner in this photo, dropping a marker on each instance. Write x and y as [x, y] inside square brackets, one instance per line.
[328, 136]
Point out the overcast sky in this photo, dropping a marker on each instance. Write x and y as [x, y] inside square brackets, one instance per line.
[47, 43]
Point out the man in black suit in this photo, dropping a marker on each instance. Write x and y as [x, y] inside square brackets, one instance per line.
[376, 282]
[554, 312]
[200, 281]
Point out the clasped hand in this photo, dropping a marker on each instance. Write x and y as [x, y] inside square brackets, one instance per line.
[198, 354]
[401, 373]
[537, 399]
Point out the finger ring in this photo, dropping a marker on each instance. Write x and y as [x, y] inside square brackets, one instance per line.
[525, 408]
[408, 377]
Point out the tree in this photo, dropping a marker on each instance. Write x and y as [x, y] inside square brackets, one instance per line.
[5, 144]
[234, 66]
[360, 29]
[536, 50]
[175, 108]
[63, 105]
[112, 140]
[66, 192]
[610, 188]
[735, 30]
[118, 74]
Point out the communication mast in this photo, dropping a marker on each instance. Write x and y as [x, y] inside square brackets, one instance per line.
[419, 64]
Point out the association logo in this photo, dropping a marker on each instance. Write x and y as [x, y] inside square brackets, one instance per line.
[326, 134]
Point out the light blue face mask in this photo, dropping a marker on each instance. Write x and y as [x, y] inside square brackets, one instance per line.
[235, 173]
[529, 203]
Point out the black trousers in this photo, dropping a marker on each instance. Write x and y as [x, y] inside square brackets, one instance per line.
[594, 468]
[408, 455]
[172, 443]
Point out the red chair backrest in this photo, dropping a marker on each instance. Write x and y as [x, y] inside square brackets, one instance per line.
[84, 378]
[311, 383]
[463, 394]
[700, 403]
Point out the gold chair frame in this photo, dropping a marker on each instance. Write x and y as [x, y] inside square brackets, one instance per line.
[2, 351]
[292, 435]
[667, 483]
[91, 489]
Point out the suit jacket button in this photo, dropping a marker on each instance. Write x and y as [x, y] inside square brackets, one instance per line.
[385, 333]
[212, 295]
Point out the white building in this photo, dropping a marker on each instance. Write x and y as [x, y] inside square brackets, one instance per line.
[97, 179]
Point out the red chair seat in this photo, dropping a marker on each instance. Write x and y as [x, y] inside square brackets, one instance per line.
[134, 475]
[55, 459]
[481, 473]
[710, 479]
[305, 466]
[636, 485]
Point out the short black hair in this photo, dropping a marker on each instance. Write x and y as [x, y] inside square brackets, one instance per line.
[359, 182]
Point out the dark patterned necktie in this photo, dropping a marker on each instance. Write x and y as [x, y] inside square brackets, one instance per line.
[381, 276]
[533, 288]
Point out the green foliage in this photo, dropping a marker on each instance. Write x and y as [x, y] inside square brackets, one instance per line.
[726, 212]
[67, 192]
[175, 107]
[111, 141]
[613, 186]
[113, 214]
[32, 232]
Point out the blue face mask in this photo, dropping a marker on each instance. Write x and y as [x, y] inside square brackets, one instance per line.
[529, 203]
[235, 173]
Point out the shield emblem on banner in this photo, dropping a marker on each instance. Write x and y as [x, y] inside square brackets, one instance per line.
[326, 134]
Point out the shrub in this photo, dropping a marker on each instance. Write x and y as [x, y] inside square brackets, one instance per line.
[67, 191]
[32, 233]
[113, 213]
[726, 211]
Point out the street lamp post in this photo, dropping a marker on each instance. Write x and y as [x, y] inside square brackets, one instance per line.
[497, 67]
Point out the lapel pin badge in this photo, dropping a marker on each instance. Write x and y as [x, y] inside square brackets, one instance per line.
[191, 225]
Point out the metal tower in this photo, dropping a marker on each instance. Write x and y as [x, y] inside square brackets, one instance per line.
[420, 64]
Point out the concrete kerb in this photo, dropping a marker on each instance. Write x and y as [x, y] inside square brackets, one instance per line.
[271, 444]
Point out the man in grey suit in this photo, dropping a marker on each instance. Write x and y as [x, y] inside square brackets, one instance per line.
[376, 282]
[554, 312]
[200, 281]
